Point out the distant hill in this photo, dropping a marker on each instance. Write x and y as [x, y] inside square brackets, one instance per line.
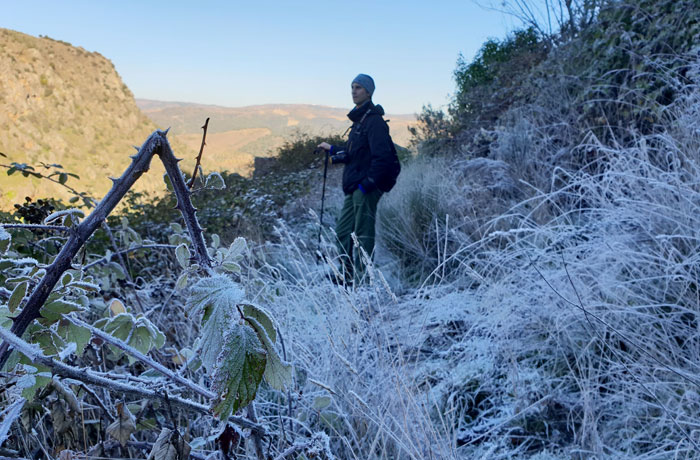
[62, 104]
[237, 134]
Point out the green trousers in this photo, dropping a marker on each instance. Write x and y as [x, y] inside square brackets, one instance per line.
[357, 216]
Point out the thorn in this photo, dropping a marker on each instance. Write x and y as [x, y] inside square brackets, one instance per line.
[165, 133]
[113, 179]
[177, 160]
[133, 157]
[138, 149]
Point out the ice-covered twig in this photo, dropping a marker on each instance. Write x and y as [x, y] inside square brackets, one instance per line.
[87, 376]
[143, 358]
[106, 259]
[53, 228]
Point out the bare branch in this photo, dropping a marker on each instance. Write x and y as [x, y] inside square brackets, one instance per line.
[199, 157]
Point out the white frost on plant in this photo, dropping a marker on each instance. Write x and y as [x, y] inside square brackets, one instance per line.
[69, 349]
[73, 212]
[9, 415]
[217, 297]
[5, 240]
[20, 262]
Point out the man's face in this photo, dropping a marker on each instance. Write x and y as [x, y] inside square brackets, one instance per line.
[359, 94]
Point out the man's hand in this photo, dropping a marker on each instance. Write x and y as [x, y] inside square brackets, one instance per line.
[325, 146]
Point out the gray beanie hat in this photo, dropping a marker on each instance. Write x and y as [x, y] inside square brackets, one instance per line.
[366, 82]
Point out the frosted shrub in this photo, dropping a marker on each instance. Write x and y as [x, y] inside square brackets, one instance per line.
[439, 206]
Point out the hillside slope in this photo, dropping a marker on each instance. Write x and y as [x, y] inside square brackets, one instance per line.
[237, 134]
[62, 104]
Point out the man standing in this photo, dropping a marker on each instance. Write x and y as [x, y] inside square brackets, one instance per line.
[371, 168]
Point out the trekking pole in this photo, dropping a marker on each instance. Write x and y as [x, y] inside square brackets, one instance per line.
[323, 198]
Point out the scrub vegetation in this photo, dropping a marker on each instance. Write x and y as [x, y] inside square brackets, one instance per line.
[533, 295]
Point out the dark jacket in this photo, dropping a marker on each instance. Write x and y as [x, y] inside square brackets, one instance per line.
[369, 151]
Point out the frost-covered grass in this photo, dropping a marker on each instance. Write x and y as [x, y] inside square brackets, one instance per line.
[562, 327]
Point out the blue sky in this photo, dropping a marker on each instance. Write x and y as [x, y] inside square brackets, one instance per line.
[258, 52]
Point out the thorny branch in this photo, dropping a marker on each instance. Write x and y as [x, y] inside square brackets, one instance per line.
[156, 143]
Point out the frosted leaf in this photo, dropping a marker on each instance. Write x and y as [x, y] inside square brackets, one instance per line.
[116, 307]
[239, 370]
[217, 298]
[145, 335]
[170, 445]
[236, 249]
[53, 311]
[73, 213]
[9, 415]
[183, 255]
[119, 326]
[123, 426]
[263, 317]
[181, 282]
[70, 332]
[215, 181]
[277, 372]
[8, 263]
[5, 240]
[17, 296]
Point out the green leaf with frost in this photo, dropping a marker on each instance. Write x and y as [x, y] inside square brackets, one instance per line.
[5, 321]
[239, 370]
[118, 270]
[53, 311]
[236, 249]
[215, 240]
[18, 294]
[70, 332]
[36, 378]
[277, 373]
[120, 326]
[321, 402]
[216, 297]
[263, 317]
[50, 342]
[91, 287]
[231, 267]
[183, 255]
[181, 282]
[145, 336]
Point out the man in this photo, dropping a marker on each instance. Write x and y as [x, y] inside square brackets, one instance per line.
[371, 168]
